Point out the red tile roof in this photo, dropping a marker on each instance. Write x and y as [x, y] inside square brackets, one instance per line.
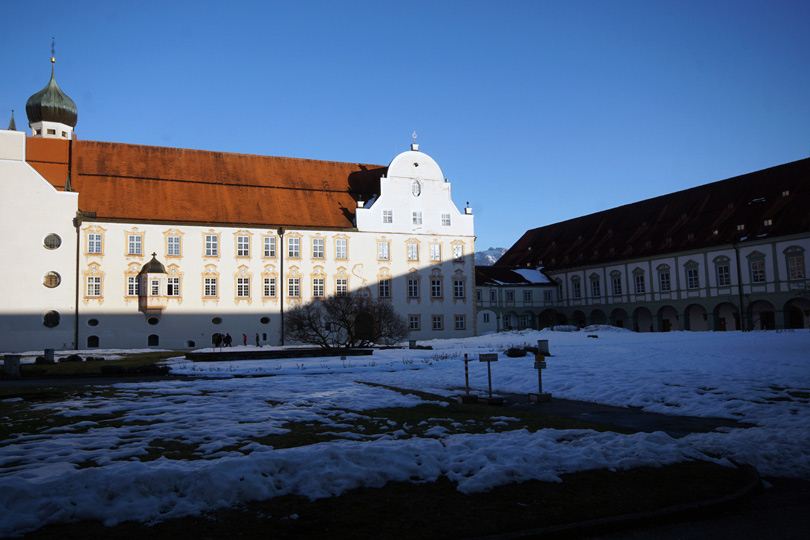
[696, 218]
[124, 182]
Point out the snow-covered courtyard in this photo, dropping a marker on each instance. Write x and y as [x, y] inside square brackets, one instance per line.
[95, 462]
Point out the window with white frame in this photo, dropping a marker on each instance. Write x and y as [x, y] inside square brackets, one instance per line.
[723, 274]
[93, 285]
[757, 271]
[510, 296]
[341, 248]
[155, 287]
[414, 322]
[383, 250]
[458, 288]
[341, 286]
[548, 297]
[133, 286]
[388, 216]
[435, 252]
[638, 283]
[413, 288]
[413, 252]
[692, 278]
[294, 247]
[269, 287]
[94, 243]
[243, 246]
[173, 246]
[243, 287]
[318, 290]
[493, 295]
[210, 287]
[596, 288]
[173, 286]
[269, 246]
[211, 245]
[436, 288]
[445, 220]
[576, 288]
[527, 297]
[384, 288]
[460, 322]
[479, 296]
[437, 321]
[294, 287]
[416, 217]
[317, 248]
[134, 242]
[458, 253]
[616, 284]
[795, 263]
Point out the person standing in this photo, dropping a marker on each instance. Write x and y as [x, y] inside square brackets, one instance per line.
[257, 340]
[244, 339]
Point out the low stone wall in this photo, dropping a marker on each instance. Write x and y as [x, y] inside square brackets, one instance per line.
[272, 354]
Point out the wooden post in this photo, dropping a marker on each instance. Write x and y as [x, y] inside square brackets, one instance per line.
[539, 365]
[489, 358]
[466, 398]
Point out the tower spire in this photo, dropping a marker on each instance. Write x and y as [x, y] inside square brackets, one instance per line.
[12, 125]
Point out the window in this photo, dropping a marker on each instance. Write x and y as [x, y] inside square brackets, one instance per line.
[294, 248]
[413, 288]
[51, 319]
[388, 216]
[458, 253]
[692, 278]
[596, 288]
[52, 241]
[133, 286]
[435, 252]
[486, 317]
[318, 288]
[384, 288]
[458, 288]
[94, 243]
[435, 288]
[211, 245]
[638, 283]
[269, 287]
[437, 322]
[269, 246]
[493, 295]
[155, 288]
[445, 220]
[460, 322]
[317, 248]
[767, 222]
[478, 295]
[414, 322]
[342, 286]
[93, 285]
[616, 284]
[416, 217]
[243, 246]
[547, 297]
[796, 266]
[576, 288]
[741, 227]
[664, 282]
[210, 287]
[134, 244]
[173, 246]
[383, 250]
[527, 297]
[173, 286]
[510, 296]
[758, 271]
[293, 287]
[723, 275]
[341, 248]
[51, 279]
[413, 252]
[243, 287]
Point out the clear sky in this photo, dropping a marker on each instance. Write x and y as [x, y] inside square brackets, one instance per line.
[537, 111]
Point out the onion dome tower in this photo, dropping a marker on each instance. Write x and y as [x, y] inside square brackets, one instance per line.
[51, 113]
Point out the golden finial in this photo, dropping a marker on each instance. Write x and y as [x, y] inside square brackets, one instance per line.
[53, 54]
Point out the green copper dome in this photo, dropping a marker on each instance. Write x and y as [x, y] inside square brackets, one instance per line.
[51, 105]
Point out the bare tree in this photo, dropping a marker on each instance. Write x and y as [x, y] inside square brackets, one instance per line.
[353, 320]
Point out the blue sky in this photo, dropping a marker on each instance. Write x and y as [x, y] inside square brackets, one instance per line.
[536, 111]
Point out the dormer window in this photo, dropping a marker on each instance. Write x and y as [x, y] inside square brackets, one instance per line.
[768, 222]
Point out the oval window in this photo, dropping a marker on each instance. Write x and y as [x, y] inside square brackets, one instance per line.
[92, 322]
[217, 320]
[264, 320]
[153, 320]
[52, 241]
[51, 279]
[51, 319]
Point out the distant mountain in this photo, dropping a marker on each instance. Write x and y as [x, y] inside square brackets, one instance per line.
[488, 256]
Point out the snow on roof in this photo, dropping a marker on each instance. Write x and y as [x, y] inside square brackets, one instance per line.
[533, 276]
